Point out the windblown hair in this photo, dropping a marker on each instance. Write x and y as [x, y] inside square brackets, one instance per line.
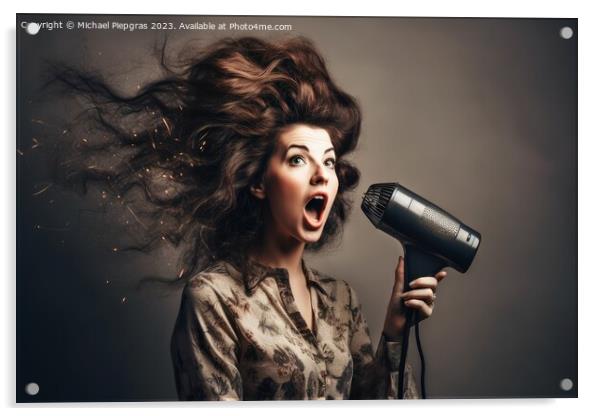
[195, 141]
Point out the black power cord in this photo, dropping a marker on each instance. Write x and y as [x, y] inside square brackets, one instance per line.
[422, 362]
[404, 353]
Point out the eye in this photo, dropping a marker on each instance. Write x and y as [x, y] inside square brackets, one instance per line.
[331, 162]
[296, 160]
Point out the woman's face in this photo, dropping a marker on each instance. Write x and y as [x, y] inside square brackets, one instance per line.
[300, 184]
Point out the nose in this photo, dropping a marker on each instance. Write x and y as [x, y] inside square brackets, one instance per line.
[320, 175]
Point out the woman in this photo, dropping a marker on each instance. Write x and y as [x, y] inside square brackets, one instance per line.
[278, 329]
[247, 161]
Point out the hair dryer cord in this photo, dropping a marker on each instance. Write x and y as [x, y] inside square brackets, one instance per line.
[422, 362]
[404, 353]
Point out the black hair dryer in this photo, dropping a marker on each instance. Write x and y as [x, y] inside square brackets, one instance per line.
[432, 239]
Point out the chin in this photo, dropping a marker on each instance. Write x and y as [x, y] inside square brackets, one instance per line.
[309, 237]
[313, 240]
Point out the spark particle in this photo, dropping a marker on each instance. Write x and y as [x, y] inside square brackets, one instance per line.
[124, 300]
[44, 189]
[136, 217]
[166, 125]
[42, 227]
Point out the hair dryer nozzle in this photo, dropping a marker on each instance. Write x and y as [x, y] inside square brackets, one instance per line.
[375, 201]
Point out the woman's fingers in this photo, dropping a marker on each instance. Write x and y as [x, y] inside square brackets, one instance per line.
[441, 275]
[424, 309]
[424, 282]
[399, 276]
[399, 270]
[421, 295]
[426, 294]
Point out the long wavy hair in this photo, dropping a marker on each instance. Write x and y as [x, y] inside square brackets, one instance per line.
[191, 143]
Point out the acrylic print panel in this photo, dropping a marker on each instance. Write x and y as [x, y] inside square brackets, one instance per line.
[154, 163]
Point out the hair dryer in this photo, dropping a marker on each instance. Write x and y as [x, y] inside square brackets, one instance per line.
[432, 239]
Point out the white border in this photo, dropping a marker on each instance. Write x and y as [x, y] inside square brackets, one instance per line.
[589, 185]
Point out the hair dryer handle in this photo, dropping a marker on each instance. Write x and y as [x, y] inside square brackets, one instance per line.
[418, 263]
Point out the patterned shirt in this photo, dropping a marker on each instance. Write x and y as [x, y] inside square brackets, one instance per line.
[242, 337]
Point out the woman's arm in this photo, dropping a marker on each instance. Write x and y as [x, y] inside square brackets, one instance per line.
[375, 375]
[204, 346]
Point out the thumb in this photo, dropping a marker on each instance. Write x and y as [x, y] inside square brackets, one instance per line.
[399, 275]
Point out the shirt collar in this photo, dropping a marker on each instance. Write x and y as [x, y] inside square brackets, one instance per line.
[257, 272]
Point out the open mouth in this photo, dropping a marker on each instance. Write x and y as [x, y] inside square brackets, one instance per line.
[315, 208]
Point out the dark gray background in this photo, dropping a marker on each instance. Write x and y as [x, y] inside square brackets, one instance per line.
[477, 115]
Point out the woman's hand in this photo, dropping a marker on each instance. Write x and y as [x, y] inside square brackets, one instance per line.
[421, 297]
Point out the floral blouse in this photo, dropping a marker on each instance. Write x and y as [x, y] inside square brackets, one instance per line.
[243, 338]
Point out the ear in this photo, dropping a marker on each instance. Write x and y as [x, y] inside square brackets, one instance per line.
[258, 190]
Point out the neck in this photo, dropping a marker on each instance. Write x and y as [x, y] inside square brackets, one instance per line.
[275, 252]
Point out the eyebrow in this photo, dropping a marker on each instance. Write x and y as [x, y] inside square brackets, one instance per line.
[301, 146]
